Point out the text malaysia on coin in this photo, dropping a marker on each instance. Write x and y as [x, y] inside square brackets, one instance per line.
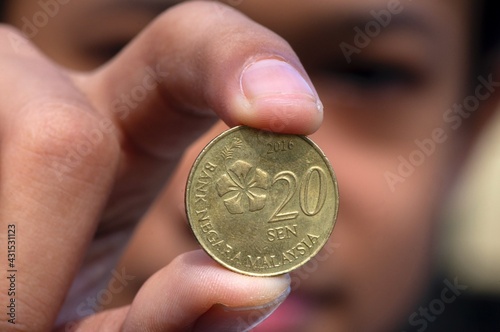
[259, 203]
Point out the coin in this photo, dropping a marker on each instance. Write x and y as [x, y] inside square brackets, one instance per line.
[261, 203]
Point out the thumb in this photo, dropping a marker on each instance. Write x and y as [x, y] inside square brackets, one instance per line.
[193, 293]
[224, 318]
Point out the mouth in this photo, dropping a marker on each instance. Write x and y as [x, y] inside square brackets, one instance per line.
[300, 308]
[290, 315]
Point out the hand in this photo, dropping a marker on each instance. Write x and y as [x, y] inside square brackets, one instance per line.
[83, 155]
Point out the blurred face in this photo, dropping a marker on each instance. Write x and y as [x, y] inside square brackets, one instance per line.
[387, 73]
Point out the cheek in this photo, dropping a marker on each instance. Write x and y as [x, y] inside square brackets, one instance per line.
[385, 232]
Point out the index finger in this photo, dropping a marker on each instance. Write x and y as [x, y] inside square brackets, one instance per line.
[190, 62]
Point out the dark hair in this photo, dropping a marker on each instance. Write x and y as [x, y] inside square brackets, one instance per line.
[2, 11]
[488, 33]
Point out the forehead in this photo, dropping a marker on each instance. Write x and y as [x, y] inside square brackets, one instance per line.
[281, 11]
[285, 16]
[290, 16]
[305, 24]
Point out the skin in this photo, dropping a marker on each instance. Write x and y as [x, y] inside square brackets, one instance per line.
[378, 261]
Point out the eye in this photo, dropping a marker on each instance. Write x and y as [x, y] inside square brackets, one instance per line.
[375, 76]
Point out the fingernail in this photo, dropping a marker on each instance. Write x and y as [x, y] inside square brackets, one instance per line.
[274, 79]
[221, 318]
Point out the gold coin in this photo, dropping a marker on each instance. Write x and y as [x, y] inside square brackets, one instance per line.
[261, 203]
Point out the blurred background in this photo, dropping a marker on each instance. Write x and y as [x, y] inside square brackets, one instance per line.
[471, 235]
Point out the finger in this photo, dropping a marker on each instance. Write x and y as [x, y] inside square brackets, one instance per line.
[197, 58]
[41, 116]
[194, 293]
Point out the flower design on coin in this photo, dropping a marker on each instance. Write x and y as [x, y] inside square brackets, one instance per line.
[243, 187]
